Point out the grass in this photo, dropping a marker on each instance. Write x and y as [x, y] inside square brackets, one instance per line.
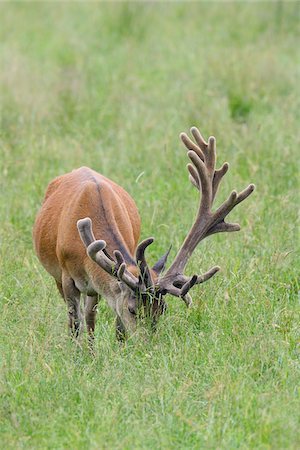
[111, 86]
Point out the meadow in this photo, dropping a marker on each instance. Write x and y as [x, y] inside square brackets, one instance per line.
[111, 86]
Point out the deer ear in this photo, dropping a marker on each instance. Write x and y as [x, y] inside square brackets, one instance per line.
[160, 265]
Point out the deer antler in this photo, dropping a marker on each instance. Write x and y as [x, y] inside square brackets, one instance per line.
[206, 179]
[116, 267]
[96, 251]
[142, 263]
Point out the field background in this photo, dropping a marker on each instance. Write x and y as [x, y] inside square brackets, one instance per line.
[111, 86]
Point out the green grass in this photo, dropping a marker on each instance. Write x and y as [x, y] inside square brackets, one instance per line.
[111, 86]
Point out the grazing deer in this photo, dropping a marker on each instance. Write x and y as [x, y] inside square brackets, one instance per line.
[115, 266]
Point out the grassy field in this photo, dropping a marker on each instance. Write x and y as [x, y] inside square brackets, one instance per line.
[111, 86]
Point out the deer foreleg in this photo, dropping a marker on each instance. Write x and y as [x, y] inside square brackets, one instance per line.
[72, 298]
[90, 312]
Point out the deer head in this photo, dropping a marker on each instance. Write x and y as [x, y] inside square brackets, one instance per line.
[137, 282]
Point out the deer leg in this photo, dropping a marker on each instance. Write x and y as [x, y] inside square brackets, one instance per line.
[72, 298]
[59, 287]
[90, 312]
[120, 330]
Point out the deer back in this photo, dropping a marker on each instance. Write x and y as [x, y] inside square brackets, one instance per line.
[78, 194]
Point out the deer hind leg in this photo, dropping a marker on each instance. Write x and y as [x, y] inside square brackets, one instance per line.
[60, 288]
[90, 312]
[72, 298]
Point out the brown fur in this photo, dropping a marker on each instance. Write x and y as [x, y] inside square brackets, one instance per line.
[84, 193]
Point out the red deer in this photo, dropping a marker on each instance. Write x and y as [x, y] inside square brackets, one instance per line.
[82, 206]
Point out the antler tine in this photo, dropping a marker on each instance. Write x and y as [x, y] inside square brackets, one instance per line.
[206, 198]
[84, 227]
[179, 292]
[194, 178]
[119, 258]
[207, 275]
[199, 139]
[95, 252]
[190, 145]
[207, 179]
[188, 285]
[218, 175]
[208, 150]
[233, 200]
[187, 300]
[124, 275]
[142, 263]
[200, 279]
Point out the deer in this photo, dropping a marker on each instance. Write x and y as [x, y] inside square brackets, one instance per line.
[87, 232]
